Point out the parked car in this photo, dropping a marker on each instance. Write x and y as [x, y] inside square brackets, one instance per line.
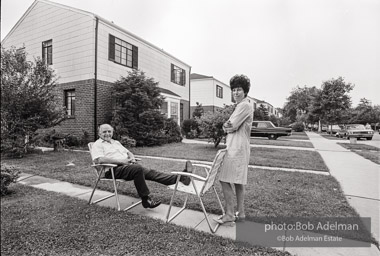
[355, 131]
[333, 129]
[268, 129]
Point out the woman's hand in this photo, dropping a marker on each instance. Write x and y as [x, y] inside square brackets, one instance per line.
[227, 124]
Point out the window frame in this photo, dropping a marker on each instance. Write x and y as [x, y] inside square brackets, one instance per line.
[70, 103]
[47, 52]
[121, 52]
[219, 91]
[178, 75]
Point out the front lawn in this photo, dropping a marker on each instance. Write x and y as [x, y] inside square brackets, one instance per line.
[37, 222]
[367, 151]
[269, 193]
[279, 142]
[273, 157]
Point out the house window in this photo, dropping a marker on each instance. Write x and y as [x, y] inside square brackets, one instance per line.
[219, 91]
[70, 102]
[178, 75]
[174, 111]
[47, 52]
[164, 108]
[122, 52]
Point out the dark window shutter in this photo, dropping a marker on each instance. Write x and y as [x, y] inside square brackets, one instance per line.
[135, 57]
[43, 53]
[183, 77]
[111, 48]
[172, 72]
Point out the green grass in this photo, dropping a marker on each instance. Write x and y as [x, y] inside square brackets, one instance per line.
[287, 158]
[279, 142]
[367, 151]
[37, 222]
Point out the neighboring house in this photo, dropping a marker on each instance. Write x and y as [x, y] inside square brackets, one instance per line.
[90, 53]
[210, 92]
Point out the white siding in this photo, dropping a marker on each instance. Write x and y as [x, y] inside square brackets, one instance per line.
[72, 34]
[204, 91]
[152, 61]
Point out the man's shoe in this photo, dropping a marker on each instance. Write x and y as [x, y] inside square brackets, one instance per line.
[188, 168]
[150, 203]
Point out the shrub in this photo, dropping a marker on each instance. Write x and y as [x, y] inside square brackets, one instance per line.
[172, 131]
[127, 142]
[298, 127]
[190, 128]
[211, 124]
[72, 141]
[8, 175]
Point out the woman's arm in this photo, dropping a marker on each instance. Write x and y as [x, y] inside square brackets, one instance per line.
[241, 113]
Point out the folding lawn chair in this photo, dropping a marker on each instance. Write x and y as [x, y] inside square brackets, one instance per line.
[199, 186]
[100, 170]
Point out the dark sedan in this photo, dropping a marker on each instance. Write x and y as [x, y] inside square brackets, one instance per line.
[268, 129]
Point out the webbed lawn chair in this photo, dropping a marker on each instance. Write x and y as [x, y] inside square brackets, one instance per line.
[100, 170]
[198, 186]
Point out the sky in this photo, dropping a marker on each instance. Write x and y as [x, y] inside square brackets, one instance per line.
[278, 44]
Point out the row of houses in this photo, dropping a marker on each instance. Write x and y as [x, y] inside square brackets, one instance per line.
[89, 53]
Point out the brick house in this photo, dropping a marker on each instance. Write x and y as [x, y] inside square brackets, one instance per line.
[89, 53]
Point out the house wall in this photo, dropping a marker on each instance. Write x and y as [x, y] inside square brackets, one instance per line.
[204, 92]
[153, 62]
[73, 40]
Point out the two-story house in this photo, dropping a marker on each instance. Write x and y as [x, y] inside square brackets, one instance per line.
[210, 92]
[90, 53]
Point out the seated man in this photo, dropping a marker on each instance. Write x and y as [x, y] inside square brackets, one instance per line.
[107, 150]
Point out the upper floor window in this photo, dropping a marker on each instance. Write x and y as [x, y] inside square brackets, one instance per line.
[122, 52]
[219, 91]
[47, 52]
[178, 75]
[70, 102]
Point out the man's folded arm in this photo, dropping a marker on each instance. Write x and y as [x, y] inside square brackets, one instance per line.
[109, 160]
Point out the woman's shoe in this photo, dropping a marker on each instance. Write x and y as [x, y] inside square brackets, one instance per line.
[239, 218]
[223, 222]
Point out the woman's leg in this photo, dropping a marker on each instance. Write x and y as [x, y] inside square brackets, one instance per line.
[229, 201]
[240, 193]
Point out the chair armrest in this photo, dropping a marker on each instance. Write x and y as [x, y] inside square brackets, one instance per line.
[105, 165]
[190, 175]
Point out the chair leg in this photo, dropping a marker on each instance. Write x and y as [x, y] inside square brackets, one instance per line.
[171, 203]
[212, 229]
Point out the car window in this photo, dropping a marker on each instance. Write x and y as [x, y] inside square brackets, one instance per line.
[261, 125]
[254, 124]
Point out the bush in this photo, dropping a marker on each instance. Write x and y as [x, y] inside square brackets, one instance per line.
[72, 141]
[298, 127]
[8, 175]
[190, 128]
[211, 124]
[127, 142]
[172, 131]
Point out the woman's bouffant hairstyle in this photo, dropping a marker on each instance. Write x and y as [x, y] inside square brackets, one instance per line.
[240, 81]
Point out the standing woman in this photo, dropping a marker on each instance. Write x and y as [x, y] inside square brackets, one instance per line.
[235, 166]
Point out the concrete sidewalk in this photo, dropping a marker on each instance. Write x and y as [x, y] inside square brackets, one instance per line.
[358, 177]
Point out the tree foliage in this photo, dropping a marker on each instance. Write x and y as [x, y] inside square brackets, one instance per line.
[198, 111]
[28, 101]
[333, 101]
[136, 112]
[261, 113]
[365, 113]
[211, 124]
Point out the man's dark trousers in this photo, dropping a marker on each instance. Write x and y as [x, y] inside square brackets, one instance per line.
[139, 174]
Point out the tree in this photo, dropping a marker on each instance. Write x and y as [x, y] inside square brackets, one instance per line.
[211, 124]
[364, 113]
[333, 101]
[198, 111]
[28, 101]
[261, 113]
[136, 113]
